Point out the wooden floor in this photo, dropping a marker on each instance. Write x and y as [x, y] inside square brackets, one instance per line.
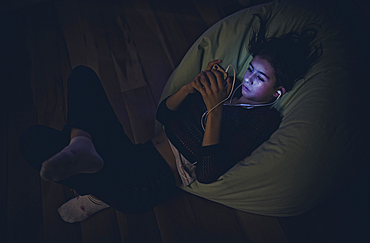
[133, 46]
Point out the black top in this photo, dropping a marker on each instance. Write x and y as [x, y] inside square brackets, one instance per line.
[242, 131]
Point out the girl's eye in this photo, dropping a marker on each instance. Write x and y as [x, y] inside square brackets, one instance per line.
[259, 77]
[250, 69]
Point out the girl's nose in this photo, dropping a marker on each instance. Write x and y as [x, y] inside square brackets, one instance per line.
[249, 79]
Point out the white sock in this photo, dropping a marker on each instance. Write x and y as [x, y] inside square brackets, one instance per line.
[79, 156]
[80, 208]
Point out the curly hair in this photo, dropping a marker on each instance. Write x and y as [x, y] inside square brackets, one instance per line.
[291, 54]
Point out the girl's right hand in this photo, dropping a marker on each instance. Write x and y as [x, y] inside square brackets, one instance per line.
[191, 87]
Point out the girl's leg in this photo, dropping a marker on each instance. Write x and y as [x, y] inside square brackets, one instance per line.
[92, 124]
[37, 144]
[90, 110]
[134, 178]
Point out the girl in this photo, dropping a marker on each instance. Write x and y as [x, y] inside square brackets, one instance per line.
[204, 136]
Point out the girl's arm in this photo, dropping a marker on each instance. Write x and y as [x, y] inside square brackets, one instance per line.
[174, 101]
[212, 131]
[212, 88]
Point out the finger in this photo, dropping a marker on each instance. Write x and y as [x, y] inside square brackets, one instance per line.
[219, 78]
[210, 64]
[198, 86]
[213, 81]
[204, 80]
[193, 84]
[229, 85]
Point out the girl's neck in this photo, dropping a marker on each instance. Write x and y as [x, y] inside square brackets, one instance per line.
[243, 100]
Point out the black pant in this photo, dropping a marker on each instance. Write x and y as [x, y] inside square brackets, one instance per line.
[134, 179]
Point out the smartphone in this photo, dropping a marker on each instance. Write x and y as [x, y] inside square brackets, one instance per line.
[219, 68]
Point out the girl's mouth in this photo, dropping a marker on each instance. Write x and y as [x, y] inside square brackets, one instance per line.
[245, 88]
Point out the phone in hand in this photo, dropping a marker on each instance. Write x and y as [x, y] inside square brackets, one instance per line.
[219, 68]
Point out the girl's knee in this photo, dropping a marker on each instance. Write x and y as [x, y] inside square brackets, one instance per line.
[83, 71]
[81, 77]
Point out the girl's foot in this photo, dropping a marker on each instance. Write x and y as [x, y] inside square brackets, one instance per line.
[79, 156]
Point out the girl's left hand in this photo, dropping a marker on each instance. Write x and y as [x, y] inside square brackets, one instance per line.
[211, 85]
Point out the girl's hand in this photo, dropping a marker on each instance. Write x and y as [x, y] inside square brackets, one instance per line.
[191, 87]
[212, 86]
[175, 100]
[210, 64]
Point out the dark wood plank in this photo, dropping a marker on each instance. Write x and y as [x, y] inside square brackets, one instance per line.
[80, 36]
[48, 56]
[24, 211]
[141, 112]
[77, 38]
[4, 103]
[209, 15]
[216, 222]
[172, 43]
[301, 228]
[260, 228]
[137, 97]
[150, 46]
[226, 8]
[176, 220]
[187, 17]
[124, 53]
[5, 43]
[103, 227]
[55, 229]
[344, 218]
[94, 41]
[50, 69]
[139, 228]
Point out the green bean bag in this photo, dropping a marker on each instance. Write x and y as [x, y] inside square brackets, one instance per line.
[305, 160]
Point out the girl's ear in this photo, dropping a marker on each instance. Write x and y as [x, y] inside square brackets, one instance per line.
[280, 91]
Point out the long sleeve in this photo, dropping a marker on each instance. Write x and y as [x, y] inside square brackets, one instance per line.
[163, 113]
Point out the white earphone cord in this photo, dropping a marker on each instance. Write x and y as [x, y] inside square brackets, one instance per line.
[203, 120]
[205, 114]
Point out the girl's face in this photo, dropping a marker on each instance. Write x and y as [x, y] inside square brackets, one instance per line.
[259, 82]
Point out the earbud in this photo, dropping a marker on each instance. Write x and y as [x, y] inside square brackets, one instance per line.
[279, 92]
